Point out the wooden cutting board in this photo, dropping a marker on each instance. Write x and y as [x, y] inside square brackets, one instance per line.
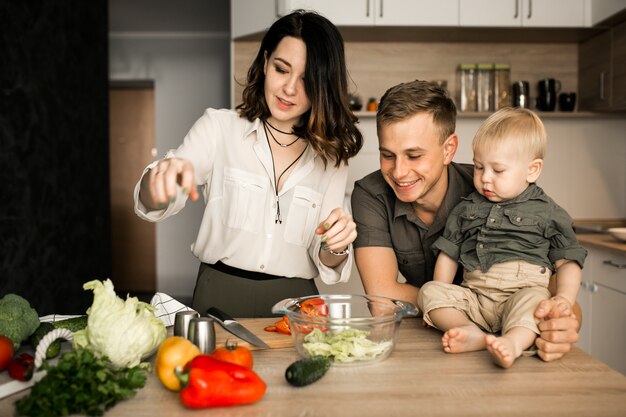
[274, 339]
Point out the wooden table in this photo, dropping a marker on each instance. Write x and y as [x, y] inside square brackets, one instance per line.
[418, 379]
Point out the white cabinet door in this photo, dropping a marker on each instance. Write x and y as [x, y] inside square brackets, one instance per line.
[490, 13]
[603, 9]
[417, 13]
[251, 16]
[608, 335]
[380, 12]
[553, 13]
[341, 13]
[608, 307]
[517, 13]
[584, 301]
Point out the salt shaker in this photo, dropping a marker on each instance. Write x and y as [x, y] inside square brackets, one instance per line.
[202, 334]
[181, 322]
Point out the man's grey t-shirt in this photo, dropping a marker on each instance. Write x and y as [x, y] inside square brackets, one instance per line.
[383, 220]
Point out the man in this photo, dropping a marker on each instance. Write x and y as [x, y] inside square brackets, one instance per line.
[401, 209]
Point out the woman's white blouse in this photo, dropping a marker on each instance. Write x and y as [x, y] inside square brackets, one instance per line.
[233, 168]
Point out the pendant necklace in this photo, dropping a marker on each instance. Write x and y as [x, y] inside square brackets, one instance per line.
[278, 219]
[266, 123]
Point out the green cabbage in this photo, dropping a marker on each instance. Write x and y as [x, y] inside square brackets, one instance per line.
[123, 331]
[349, 345]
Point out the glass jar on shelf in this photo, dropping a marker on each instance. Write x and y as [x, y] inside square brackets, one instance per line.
[502, 86]
[484, 87]
[466, 87]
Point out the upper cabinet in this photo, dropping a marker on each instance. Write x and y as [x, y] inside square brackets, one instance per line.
[251, 16]
[602, 71]
[522, 13]
[255, 16]
[601, 10]
[380, 12]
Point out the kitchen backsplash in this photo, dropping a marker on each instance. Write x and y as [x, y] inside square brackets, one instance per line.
[376, 66]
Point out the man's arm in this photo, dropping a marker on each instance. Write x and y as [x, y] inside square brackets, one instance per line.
[559, 329]
[378, 268]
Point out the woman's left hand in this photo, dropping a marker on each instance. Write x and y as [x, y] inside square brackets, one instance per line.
[338, 231]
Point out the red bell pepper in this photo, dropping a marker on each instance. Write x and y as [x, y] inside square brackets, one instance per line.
[21, 367]
[209, 382]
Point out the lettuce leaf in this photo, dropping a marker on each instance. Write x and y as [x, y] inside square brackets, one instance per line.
[123, 331]
[349, 345]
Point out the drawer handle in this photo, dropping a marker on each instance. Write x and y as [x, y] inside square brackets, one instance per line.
[613, 264]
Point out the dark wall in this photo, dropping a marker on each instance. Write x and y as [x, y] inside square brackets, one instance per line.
[54, 186]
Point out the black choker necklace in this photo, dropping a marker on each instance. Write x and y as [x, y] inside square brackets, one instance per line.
[282, 145]
[278, 130]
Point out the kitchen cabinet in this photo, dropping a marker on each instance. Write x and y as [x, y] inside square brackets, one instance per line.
[618, 95]
[251, 16]
[601, 10]
[602, 298]
[602, 71]
[522, 13]
[381, 12]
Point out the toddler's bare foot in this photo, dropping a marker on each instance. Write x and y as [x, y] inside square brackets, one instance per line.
[502, 350]
[463, 339]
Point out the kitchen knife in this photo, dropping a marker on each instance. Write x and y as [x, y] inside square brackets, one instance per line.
[232, 326]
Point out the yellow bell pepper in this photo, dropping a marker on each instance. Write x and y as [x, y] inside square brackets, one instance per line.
[174, 351]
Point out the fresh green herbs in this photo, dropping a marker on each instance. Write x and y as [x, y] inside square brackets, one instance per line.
[80, 383]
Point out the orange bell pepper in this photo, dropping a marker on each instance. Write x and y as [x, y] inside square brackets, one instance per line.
[174, 352]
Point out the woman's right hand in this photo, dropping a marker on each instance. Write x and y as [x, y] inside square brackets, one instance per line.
[158, 186]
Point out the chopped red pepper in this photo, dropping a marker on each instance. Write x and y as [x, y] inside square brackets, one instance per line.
[281, 326]
[209, 382]
[21, 367]
[314, 307]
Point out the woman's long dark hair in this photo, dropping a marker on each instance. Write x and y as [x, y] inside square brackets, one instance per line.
[329, 126]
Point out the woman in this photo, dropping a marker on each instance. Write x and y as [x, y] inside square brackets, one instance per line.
[273, 175]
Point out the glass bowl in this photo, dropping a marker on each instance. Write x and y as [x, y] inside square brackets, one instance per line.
[350, 329]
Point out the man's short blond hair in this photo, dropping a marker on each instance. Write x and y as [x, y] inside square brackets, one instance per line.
[408, 99]
[517, 127]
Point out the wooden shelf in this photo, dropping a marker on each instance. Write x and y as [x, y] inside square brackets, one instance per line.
[543, 115]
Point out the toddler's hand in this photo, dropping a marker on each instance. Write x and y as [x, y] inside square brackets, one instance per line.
[563, 305]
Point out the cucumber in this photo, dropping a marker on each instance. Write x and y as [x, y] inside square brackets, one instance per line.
[307, 371]
[43, 329]
[74, 324]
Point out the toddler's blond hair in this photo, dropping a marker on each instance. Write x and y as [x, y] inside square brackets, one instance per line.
[516, 127]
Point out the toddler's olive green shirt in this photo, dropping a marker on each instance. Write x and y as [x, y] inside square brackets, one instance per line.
[531, 227]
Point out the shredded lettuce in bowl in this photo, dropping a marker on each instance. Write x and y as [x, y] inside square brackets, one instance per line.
[345, 346]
